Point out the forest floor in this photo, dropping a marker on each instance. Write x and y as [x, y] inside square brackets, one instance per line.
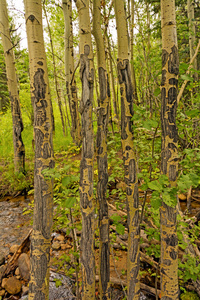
[15, 223]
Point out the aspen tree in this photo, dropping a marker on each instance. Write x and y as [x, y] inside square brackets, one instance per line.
[192, 34]
[60, 106]
[86, 168]
[130, 164]
[103, 118]
[69, 73]
[169, 155]
[19, 149]
[43, 127]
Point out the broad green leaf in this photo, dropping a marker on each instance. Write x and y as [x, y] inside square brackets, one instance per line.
[66, 180]
[120, 228]
[155, 185]
[115, 218]
[187, 77]
[157, 92]
[69, 202]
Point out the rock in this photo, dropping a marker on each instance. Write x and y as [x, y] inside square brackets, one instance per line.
[121, 185]
[13, 286]
[63, 291]
[2, 259]
[55, 246]
[60, 238]
[65, 246]
[3, 283]
[2, 292]
[24, 266]
[17, 272]
[25, 290]
[2, 269]
[182, 197]
[13, 249]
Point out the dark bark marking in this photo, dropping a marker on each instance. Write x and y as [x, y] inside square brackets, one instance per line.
[31, 18]
[129, 191]
[123, 121]
[86, 251]
[39, 269]
[173, 62]
[132, 170]
[173, 254]
[165, 56]
[171, 240]
[173, 173]
[105, 266]
[173, 81]
[102, 84]
[164, 72]
[167, 262]
[86, 50]
[172, 95]
[40, 63]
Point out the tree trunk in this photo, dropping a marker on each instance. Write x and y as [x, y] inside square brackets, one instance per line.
[130, 164]
[87, 202]
[103, 118]
[192, 34]
[19, 150]
[69, 73]
[169, 155]
[60, 106]
[43, 127]
[132, 50]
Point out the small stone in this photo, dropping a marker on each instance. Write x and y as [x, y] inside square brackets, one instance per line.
[2, 292]
[25, 290]
[24, 266]
[65, 246]
[60, 238]
[121, 185]
[55, 246]
[13, 249]
[13, 286]
[2, 259]
[18, 276]
[182, 197]
[2, 269]
[17, 272]
[3, 283]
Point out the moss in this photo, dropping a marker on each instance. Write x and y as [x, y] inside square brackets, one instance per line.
[189, 296]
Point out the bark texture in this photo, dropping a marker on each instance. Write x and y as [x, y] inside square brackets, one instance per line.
[86, 169]
[69, 73]
[169, 155]
[103, 118]
[43, 188]
[19, 149]
[130, 164]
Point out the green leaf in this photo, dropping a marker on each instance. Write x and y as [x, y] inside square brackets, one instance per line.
[192, 113]
[156, 202]
[149, 124]
[157, 92]
[116, 218]
[120, 228]
[155, 185]
[69, 202]
[66, 180]
[187, 77]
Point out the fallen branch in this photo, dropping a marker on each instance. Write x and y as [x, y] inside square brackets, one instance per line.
[143, 286]
[12, 263]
